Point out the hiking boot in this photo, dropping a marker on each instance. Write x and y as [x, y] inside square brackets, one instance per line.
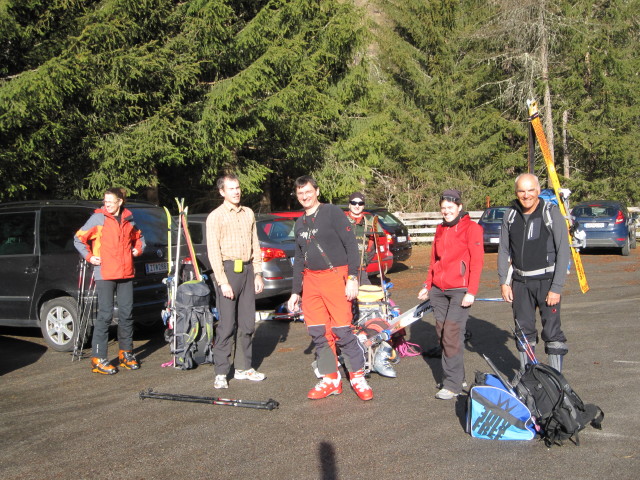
[220, 382]
[250, 374]
[128, 360]
[102, 365]
[360, 385]
[445, 394]
[325, 387]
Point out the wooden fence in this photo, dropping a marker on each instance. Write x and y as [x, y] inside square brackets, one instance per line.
[422, 225]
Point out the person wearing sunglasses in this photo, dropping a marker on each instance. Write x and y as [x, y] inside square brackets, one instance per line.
[453, 278]
[109, 240]
[362, 228]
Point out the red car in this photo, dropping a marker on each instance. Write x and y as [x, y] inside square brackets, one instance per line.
[384, 253]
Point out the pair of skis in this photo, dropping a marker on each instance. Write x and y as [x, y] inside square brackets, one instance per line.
[398, 323]
[178, 397]
[173, 265]
[534, 118]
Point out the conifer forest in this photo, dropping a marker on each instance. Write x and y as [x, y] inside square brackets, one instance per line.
[399, 99]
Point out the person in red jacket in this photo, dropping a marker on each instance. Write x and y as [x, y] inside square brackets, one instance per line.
[109, 241]
[457, 256]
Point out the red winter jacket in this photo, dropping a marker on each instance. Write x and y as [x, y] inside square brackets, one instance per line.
[457, 256]
[103, 236]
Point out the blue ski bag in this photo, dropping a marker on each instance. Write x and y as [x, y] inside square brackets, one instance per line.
[494, 412]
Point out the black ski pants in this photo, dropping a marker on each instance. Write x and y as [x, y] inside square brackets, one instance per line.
[527, 295]
[123, 290]
[239, 311]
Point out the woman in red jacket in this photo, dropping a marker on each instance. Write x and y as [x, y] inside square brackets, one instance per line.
[457, 256]
[109, 241]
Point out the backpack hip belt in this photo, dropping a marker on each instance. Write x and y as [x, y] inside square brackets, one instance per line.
[533, 273]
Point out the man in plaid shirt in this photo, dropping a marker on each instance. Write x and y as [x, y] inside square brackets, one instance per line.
[234, 253]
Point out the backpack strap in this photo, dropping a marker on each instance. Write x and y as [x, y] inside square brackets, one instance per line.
[511, 216]
[546, 215]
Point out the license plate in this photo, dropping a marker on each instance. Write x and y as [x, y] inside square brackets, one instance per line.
[594, 225]
[401, 239]
[160, 267]
[494, 240]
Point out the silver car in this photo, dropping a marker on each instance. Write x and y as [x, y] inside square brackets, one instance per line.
[277, 243]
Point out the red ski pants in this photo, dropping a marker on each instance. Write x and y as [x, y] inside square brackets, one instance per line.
[327, 315]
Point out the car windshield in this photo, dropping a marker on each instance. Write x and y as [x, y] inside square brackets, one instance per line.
[493, 215]
[152, 222]
[595, 211]
[276, 231]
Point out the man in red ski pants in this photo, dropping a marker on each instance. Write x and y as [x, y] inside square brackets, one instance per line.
[325, 278]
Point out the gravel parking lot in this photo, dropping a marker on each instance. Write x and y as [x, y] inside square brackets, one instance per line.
[57, 420]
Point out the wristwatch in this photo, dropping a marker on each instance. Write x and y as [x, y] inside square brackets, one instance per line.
[352, 277]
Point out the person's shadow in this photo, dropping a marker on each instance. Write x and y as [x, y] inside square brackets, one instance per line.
[483, 338]
[18, 353]
[270, 334]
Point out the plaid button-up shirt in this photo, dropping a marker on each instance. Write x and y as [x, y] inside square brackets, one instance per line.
[232, 235]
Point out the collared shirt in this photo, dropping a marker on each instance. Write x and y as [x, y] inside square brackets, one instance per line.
[232, 235]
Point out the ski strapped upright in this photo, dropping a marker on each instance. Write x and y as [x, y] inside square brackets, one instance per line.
[536, 123]
[182, 218]
[172, 280]
[270, 404]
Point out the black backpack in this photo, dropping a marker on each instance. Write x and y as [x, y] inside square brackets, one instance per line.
[558, 410]
[192, 342]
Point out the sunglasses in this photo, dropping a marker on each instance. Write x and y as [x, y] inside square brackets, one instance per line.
[450, 199]
[353, 202]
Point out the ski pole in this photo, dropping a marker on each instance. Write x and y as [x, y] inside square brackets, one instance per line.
[493, 299]
[83, 323]
[525, 344]
[375, 243]
[82, 265]
[177, 397]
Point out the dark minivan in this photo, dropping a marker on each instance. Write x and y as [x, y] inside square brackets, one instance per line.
[40, 267]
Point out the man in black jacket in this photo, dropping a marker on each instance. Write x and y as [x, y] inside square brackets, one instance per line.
[533, 257]
[327, 260]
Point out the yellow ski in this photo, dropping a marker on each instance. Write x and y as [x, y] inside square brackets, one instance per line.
[534, 118]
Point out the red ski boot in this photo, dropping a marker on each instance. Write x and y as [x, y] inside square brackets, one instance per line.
[360, 385]
[329, 385]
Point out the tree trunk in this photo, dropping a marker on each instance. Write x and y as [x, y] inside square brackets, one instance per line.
[151, 193]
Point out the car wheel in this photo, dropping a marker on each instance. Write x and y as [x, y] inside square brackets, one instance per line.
[633, 239]
[625, 248]
[59, 324]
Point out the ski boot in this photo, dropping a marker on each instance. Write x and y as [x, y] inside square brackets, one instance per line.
[128, 360]
[360, 385]
[329, 385]
[101, 365]
[381, 363]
